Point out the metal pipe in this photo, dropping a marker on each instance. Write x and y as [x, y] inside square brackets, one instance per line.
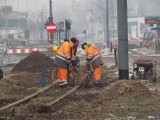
[51, 20]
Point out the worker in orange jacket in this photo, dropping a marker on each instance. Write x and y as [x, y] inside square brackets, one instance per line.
[94, 59]
[75, 58]
[63, 59]
[75, 45]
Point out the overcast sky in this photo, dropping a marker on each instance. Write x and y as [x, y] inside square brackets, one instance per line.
[60, 8]
[34, 5]
[79, 13]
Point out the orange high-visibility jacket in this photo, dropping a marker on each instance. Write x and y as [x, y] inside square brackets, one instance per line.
[66, 49]
[91, 50]
[64, 54]
[94, 56]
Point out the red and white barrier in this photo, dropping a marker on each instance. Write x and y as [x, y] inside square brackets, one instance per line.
[25, 50]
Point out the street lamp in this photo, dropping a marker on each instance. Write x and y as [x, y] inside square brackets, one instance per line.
[50, 10]
[50, 36]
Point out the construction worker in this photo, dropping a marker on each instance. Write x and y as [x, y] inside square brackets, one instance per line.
[63, 59]
[55, 49]
[75, 59]
[94, 60]
[75, 45]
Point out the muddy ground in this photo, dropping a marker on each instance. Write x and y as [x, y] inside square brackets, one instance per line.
[116, 100]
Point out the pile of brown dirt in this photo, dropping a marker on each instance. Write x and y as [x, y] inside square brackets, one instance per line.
[16, 86]
[128, 89]
[36, 62]
[25, 77]
[11, 84]
[27, 74]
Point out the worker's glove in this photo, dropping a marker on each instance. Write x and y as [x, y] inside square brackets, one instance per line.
[69, 63]
[88, 59]
[74, 62]
[77, 59]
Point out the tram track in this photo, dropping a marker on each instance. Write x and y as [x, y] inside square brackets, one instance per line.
[47, 96]
[43, 100]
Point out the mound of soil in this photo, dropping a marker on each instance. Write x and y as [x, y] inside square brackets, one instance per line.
[128, 89]
[25, 77]
[36, 62]
[13, 82]
[16, 86]
[92, 104]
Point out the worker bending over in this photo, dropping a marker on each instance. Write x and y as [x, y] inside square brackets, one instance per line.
[94, 59]
[63, 59]
[75, 58]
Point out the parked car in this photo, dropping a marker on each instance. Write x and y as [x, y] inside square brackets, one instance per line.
[132, 43]
[149, 38]
[16, 43]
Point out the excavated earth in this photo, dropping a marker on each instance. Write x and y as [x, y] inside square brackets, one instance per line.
[115, 100]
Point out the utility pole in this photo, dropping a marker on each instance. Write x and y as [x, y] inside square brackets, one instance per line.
[112, 22]
[107, 24]
[6, 22]
[6, 33]
[122, 39]
[158, 37]
[50, 35]
[50, 9]
[19, 30]
[42, 20]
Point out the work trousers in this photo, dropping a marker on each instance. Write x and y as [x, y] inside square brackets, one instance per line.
[62, 74]
[97, 73]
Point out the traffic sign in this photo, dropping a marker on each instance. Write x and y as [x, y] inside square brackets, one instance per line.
[150, 20]
[51, 27]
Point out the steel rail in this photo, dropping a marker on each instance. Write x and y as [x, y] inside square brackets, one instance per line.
[27, 97]
[62, 96]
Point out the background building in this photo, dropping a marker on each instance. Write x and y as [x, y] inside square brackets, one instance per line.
[13, 24]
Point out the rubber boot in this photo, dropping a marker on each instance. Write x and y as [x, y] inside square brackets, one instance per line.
[63, 84]
[97, 84]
